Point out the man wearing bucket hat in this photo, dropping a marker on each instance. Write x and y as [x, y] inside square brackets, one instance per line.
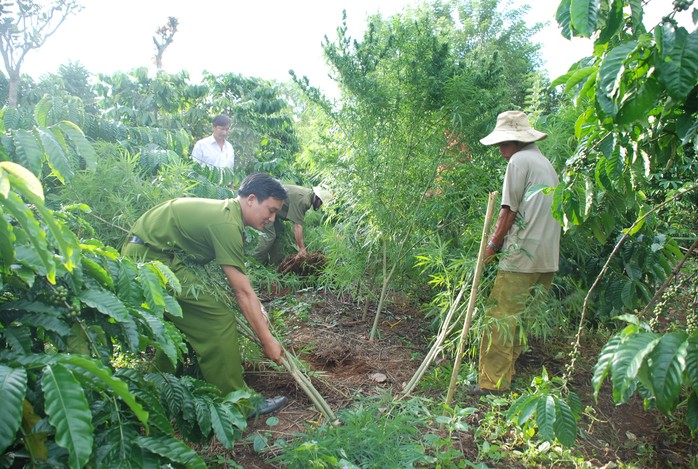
[527, 241]
[300, 199]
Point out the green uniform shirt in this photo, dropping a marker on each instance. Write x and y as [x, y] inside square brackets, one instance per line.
[299, 201]
[203, 229]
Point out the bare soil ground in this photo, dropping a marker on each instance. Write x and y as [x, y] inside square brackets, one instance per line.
[334, 341]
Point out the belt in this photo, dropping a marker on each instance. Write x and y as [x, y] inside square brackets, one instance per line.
[135, 240]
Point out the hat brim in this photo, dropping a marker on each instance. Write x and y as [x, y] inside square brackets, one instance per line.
[526, 136]
[323, 194]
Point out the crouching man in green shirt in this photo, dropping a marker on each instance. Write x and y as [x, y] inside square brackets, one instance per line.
[300, 199]
[204, 230]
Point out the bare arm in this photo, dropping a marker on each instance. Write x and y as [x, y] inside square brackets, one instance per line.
[298, 234]
[505, 221]
[252, 310]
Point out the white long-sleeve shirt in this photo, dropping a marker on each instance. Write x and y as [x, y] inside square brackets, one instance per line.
[207, 152]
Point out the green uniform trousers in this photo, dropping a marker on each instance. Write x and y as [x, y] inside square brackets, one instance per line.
[269, 248]
[501, 342]
[208, 324]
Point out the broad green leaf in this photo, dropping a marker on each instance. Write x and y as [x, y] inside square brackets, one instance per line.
[147, 393]
[575, 403]
[116, 449]
[203, 413]
[56, 157]
[565, 425]
[105, 302]
[523, 409]
[536, 188]
[42, 109]
[28, 150]
[132, 336]
[19, 339]
[166, 273]
[80, 144]
[227, 422]
[677, 62]
[172, 449]
[127, 288]
[601, 174]
[692, 360]
[159, 332]
[26, 180]
[636, 348]
[7, 240]
[614, 22]
[610, 74]
[558, 196]
[692, 411]
[636, 15]
[4, 183]
[576, 77]
[172, 393]
[625, 366]
[68, 243]
[69, 413]
[47, 322]
[109, 382]
[668, 360]
[628, 292]
[545, 417]
[564, 20]
[584, 16]
[36, 235]
[603, 363]
[637, 105]
[13, 387]
[97, 272]
[152, 284]
[172, 306]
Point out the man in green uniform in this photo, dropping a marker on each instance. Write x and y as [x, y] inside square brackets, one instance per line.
[204, 230]
[299, 201]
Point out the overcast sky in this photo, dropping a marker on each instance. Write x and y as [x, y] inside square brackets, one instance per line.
[260, 38]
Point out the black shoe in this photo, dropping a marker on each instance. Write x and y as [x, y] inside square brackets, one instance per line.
[268, 405]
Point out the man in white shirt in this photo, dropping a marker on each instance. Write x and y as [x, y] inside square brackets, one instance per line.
[215, 151]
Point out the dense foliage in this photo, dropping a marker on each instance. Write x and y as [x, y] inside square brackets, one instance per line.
[83, 156]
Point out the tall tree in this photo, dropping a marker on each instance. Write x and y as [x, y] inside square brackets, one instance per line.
[164, 36]
[26, 25]
[412, 88]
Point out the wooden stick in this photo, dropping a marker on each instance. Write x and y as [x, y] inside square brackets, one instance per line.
[473, 296]
[289, 361]
[446, 326]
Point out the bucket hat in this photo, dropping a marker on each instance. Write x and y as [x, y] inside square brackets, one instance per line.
[513, 126]
[323, 194]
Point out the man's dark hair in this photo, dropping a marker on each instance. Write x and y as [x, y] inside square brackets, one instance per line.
[262, 186]
[221, 120]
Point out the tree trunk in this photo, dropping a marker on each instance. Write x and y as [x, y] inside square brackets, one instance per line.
[13, 90]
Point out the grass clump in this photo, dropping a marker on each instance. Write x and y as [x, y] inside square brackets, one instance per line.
[376, 432]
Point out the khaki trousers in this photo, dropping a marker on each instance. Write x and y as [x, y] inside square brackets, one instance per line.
[208, 324]
[501, 342]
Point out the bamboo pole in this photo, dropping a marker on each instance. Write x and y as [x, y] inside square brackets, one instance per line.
[436, 347]
[473, 296]
[289, 362]
[446, 326]
[217, 286]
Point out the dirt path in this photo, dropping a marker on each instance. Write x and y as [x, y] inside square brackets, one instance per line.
[333, 341]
